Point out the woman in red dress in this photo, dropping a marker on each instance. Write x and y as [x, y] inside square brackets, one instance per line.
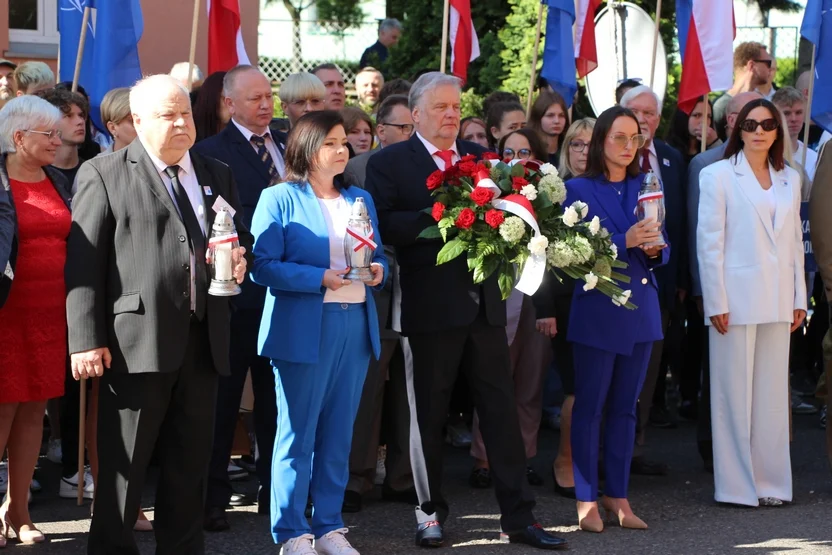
[33, 317]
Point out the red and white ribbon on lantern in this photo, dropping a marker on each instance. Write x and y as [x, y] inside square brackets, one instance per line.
[531, 275]
[363, 240]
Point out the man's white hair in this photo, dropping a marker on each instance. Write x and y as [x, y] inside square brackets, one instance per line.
[180, 71]
[22, 113]
[146, 94]
[635, 92]
[428, 82]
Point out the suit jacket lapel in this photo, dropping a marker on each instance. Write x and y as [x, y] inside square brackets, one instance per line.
[146, 175]
[247, 151]
[750, 187]
[206, 185]
[783, 192]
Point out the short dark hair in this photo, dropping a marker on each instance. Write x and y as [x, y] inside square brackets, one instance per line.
[319, 67]
[775, 152]
[386, 107]
[625, 86]
[305, 140]
[538, 147]
[495, 117]
[596, 164]
[64, 100]
[495, 97]
[395, 86]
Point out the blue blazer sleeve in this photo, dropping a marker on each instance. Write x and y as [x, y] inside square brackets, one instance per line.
[270, 270]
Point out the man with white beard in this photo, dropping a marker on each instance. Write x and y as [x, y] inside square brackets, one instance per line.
[8, 86]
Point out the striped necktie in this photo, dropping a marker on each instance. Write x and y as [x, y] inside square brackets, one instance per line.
[263, 153]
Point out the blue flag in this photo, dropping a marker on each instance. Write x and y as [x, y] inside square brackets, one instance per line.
[111, 55]
[817, 29]
[559, 50]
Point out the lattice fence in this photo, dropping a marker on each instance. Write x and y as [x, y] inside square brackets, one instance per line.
[783, 43]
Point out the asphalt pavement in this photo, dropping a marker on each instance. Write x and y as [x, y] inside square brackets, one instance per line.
[679, 508]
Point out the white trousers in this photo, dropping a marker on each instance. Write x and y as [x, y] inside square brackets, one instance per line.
[750, 413]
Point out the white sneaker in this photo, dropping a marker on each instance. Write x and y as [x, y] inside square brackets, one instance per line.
[69, 486]
[53, 452]
[334, 543]
[302, 545]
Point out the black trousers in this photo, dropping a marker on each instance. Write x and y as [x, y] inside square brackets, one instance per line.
[432, 363]
[175, 413]
[244, 357]
[68, 407]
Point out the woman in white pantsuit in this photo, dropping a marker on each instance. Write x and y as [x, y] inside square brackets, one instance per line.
[750, 250]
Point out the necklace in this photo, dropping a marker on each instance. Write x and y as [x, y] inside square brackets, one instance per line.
[616, 189]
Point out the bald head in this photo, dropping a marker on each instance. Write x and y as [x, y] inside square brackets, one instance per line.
[736, 105]
[802, 83]
[162, 117]
[248, 96]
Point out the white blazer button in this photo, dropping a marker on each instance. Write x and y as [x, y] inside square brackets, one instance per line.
[644, 281]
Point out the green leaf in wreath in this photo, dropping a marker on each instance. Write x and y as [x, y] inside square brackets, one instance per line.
[444, 225]
[451, 250]
[485, 267]
[518, 170]
[506, 282]
[431, 232]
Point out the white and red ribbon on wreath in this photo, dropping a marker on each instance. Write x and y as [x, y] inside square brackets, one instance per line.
[363, 240]
[531, 275]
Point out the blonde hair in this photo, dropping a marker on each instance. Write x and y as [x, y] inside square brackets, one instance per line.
[115, 106]
[577, 127]
[30, 75]
[300, 86]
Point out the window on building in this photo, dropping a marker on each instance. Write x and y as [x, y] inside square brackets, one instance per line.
[35, 21]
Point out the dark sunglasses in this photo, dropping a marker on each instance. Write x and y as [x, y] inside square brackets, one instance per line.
[750, 125]
[767, 62]
[523, 154]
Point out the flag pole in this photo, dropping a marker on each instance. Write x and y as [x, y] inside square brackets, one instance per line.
[808, 123]
[192, 53]
[445, 17]
[534, 61]
[81, 42]
[704, 145]
[656, 41]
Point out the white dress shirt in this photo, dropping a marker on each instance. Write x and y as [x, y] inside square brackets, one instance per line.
[337, 212]
[187, 177]
[811, 159]
[271, 146]
[432, 150]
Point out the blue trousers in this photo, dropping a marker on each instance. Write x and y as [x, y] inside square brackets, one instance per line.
[605, 380]
[316, 408]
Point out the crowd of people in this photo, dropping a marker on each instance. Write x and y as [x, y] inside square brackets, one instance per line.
[104, 234]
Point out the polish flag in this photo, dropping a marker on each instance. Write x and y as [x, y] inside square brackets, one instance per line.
[586, 56]
[465, 48]
[225, 40]
[706, 37]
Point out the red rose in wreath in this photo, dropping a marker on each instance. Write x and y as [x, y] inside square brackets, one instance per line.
[435, 180]
[518, 183]
[490, 156]
[469, 158]
[438, 210]
[466, 218]
[494, 218]
[467, 168]
[481, 196]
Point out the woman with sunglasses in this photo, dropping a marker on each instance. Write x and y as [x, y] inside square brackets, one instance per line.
[529, 351]
[749, 243]
[612, 343]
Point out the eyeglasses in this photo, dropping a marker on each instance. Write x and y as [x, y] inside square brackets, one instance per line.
[623, 141]
[767, 62]
[578, 146]
[49, 134]
[405, 128]
[510, 154]
[750, 125]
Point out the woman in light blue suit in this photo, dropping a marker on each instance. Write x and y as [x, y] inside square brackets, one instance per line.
[319, 330]
[611, 344]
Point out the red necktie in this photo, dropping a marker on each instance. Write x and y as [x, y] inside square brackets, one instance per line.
[447, 157]
[645, 162]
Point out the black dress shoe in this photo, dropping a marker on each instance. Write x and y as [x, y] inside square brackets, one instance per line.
[644, 467]
[352, 502]
[408, 496]
[569, 493]
[264, 509]
[429, 534]
[480, 478]
[215, 520]
[536, 536]
[533, 477]
[238, 500]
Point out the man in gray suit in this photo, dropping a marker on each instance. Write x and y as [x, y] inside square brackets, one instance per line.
[395, 125]
[699, 162]
[138, 306]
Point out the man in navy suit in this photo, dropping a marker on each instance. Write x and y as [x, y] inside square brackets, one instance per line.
[448, 322]
[669, 165]
[255, 156]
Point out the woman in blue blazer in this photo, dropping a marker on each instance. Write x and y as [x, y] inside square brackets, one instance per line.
[319, 330]
[611, 343]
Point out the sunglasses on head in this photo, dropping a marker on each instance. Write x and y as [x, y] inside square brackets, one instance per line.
[750, 125]
[511, 154]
